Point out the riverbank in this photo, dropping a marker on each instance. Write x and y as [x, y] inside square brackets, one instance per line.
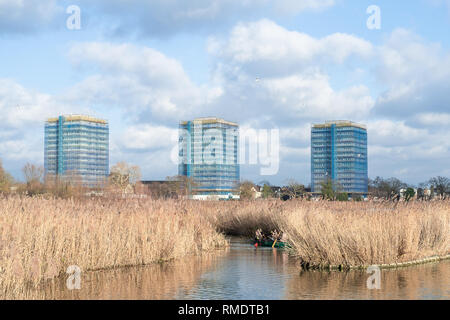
[435, 259]
[41, 238]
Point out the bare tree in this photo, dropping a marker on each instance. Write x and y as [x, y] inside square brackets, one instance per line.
[441, 185]
[33, 173]
[180, 185]
[294, 189]
[123, 175]
[5, 179]
[386, 188]
[34, 176]
[246, 188]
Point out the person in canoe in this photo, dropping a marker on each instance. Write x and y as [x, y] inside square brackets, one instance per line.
[259, 237]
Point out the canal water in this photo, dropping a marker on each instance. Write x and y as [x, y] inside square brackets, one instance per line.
[243, 272]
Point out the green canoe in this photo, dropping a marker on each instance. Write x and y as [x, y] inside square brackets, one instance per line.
[269, 243]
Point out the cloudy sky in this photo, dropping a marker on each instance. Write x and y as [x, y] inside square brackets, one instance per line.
[146, 65]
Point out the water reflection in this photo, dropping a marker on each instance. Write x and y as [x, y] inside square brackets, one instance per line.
[160, 281]
[243, 272]
[430, 281]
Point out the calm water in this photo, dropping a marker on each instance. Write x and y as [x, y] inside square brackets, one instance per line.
[243, 272]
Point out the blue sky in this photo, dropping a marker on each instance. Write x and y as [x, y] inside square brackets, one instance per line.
[145, 65]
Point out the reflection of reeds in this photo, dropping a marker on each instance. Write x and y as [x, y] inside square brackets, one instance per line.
[418, 282]
[41, 238]
[153, 282]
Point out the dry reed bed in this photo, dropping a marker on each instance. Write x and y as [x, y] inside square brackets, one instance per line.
[362, 234]
[340, 233]
[41, 238]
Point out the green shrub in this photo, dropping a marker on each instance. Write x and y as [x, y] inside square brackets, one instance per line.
[342, 196]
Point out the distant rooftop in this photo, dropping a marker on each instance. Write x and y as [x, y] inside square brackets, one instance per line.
[78, 117]
[339, 123]
[211, 120]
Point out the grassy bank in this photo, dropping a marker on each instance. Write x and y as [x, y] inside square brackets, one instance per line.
[40, 238]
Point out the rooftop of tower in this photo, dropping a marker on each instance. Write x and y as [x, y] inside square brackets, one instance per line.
[211, 120]
[339, 123]
[77, 117]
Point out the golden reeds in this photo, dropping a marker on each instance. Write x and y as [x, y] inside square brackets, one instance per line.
[362, 234]
[40, 238]
[324, 234]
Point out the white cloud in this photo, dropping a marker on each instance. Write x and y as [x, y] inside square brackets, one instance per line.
[148, 137]
[147, 145]
[433, 119]
[141, 80]
[22, 113]
[407, 57]
[22, 116]
[416, 75]
[268, 49]
[273, 74]
[313, 97]
[395, 142]
[294, 6]
[296, 135]
[21, 107]
[390, 133]
[148, 65]
[411, 154]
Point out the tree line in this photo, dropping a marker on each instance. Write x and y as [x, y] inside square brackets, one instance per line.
[123, 180]
[390, 189]
[126, 179]
[37, 182]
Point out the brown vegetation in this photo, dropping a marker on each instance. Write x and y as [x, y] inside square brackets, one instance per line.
[356, 234]
[348, 234]
[42, 237]
[6, 180]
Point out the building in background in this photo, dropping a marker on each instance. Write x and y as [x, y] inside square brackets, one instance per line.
[77, 148]
[339, 153]
[208, 150]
